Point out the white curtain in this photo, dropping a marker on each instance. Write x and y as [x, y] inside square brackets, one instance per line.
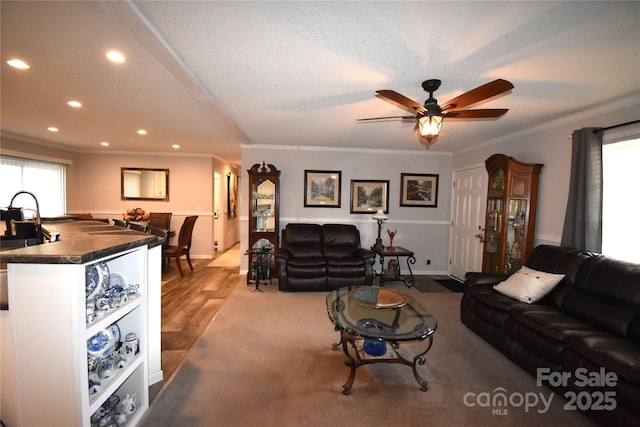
[46, 180]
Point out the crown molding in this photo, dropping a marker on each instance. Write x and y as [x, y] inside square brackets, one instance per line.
[345, 150]
[619, 104]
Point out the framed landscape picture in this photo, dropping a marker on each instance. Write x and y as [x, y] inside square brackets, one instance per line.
[367, 196]
[419, 190]
[322, 189]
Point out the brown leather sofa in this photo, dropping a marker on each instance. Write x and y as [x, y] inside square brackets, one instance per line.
[315, 257]
[590, 321]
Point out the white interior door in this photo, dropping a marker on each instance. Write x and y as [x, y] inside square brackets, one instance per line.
[218, 235]
[469, 204]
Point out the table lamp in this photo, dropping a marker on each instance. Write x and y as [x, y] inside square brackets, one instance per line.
[380, 217]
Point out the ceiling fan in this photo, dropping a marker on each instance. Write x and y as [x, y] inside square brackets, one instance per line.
[429, 116]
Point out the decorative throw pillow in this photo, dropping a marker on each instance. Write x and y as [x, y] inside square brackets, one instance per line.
[528, 285]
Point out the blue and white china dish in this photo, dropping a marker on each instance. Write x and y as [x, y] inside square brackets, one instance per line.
[117, 283]
[106, 368]
[96, 278]
[103, 301]
[92, 278]
[104, 342]
[99, 344]
[115, 331]
[105, 277]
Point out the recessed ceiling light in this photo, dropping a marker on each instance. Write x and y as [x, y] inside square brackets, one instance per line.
[142, 132]
[53, 129]
[74, 104]
[176, 146]
[115, 56]
[19, 64]
[104, 143]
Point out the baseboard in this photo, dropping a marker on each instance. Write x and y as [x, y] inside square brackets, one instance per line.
[156, 377]
[428, 272]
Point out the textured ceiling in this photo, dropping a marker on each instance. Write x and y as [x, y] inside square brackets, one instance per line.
[213, 75]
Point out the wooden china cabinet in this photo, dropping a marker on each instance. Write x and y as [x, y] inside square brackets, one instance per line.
[264, 208]
[511, 213]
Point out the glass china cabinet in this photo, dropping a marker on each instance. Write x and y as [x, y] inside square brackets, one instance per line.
[511, 213]
[264, 210]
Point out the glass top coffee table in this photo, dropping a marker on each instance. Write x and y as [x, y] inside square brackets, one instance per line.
[373, 322]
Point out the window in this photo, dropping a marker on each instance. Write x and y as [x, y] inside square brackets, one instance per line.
[621, 175]
[46, 180]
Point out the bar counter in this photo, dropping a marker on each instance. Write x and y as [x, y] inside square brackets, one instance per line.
[80, 242]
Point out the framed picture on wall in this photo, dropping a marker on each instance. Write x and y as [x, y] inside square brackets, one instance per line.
[367, 196]
[232, 195]
[322, 189]
[419, 190]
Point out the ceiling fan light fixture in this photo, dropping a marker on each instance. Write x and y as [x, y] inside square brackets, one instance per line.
[430, 125]
[431, 115]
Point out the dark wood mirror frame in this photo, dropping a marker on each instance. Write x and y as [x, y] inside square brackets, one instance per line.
[144, 184]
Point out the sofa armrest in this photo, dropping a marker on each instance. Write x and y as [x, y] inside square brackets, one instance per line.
[283, 253]
[364, 253]
[473, 278]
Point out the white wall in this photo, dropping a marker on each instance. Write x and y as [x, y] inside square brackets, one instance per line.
[422, 230]
[190, 192]
[551, 145]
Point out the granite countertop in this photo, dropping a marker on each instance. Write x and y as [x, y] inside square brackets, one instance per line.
[80, 242]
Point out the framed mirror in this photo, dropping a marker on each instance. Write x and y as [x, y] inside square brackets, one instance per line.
[144, 184]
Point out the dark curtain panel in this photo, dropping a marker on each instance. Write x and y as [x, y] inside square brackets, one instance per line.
[583, 220]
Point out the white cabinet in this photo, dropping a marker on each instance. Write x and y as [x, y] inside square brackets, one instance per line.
[47, 308]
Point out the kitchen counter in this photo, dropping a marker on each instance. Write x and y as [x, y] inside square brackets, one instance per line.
[80, 242]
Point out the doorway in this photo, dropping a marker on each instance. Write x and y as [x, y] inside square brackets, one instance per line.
[218, 235]
[468, 209]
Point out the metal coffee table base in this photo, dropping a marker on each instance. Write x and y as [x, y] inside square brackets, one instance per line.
[352, 346]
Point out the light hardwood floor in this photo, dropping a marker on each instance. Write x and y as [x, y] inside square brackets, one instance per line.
[189, 303]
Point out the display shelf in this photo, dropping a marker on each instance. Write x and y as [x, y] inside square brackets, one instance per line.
[55, 294]
[133, 386]
[112, 316]
[136, 385]
[112, 384]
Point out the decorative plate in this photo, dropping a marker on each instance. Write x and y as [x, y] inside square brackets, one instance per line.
[103, 268]
[92, 280]
[99, 344]
[96, 279]
[117, 282]
[104, 342]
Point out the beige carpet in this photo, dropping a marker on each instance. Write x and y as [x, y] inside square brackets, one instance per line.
[266, 360]
[229, 259]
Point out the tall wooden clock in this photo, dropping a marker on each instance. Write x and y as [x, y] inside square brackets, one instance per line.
[264, 207]
[512, 200]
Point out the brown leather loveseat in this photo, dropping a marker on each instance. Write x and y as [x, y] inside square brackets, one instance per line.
[574, 337]
[315, 257]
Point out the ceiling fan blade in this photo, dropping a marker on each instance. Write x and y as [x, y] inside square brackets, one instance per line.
[398, 98]
[489, 113]
[478, 94]
[387, 118]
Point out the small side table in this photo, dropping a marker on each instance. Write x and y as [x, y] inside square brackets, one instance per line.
[259, 268]
[395, 274]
